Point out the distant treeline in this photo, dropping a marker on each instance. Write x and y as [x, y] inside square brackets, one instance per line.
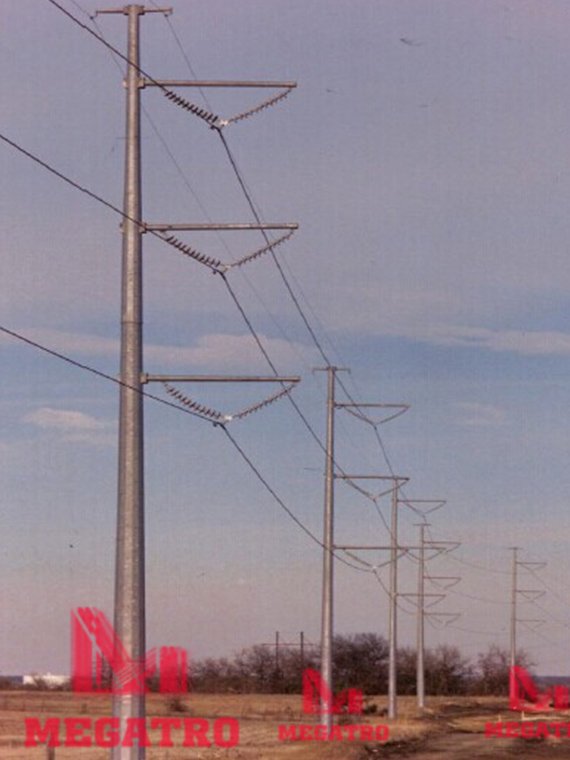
[359, 661]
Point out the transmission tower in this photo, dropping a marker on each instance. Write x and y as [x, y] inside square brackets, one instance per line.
[422, 606]
[329, 545]
[130, 560]
[529, 594]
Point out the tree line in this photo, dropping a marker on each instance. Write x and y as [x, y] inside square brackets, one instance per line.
[360, 661]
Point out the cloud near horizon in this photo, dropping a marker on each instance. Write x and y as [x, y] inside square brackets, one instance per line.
[72, 426]
[63, 419]
[474, 414]
[216, 350]
[524, 342]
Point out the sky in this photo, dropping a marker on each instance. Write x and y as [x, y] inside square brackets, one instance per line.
[424, 155]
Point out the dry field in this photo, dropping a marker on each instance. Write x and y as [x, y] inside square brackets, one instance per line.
[450, 728]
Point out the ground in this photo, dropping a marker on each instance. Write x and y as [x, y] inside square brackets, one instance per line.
[449, 728]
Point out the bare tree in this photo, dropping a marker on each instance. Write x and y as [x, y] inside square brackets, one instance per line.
[492, 670]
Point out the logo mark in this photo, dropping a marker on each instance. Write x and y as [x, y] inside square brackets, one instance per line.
[97, 653]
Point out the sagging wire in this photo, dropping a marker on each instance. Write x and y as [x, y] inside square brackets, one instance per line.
[467, 596]
[82, 189]
[374, 500]
[540, 635]
[551, 616]
[387, 592]
[451, 618]
[92, 370]
[220, 416]
[478, 633]
[369, 494]
[103, 375]
[371, 565]
[278, 499]
[356, 412]
[205, 115]
[209, 117]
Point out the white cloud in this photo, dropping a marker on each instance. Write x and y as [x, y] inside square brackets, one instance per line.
[214, 351]
[475, 414]
[67, 420]
[72, 426]
[525, 342]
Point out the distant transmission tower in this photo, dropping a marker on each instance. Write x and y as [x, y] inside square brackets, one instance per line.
[329, 546]
[530, 594]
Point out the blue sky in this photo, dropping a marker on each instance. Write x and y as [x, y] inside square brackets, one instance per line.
[424, 155]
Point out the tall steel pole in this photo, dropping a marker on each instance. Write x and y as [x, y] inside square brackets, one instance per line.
[392, 619]
[129, 568]
[513, 642]
[130, 573]
[420, 631]
[328, 545]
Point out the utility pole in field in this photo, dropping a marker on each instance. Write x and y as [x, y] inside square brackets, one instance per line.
[358, 410]
[328, 558]
[513, 636]
[530, 594]
[394, 411]
[420, 596]
[302, 645]
[129, 563]
[393, 613]
[129, 608]
[420, 623]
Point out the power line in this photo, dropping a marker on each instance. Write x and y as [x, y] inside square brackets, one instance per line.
[479, 567]
[387, 592]
[548, 587]
[187, 182]
[101, 200]
[253, 208]
[119, 211]
[257, 217]
[477, 633]
[180, 47]
[209, 118]
[103, 375]
[99, 373]
[269, 488]
[543, 637]
[249, 198]
[552, 617]
[469, 596]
